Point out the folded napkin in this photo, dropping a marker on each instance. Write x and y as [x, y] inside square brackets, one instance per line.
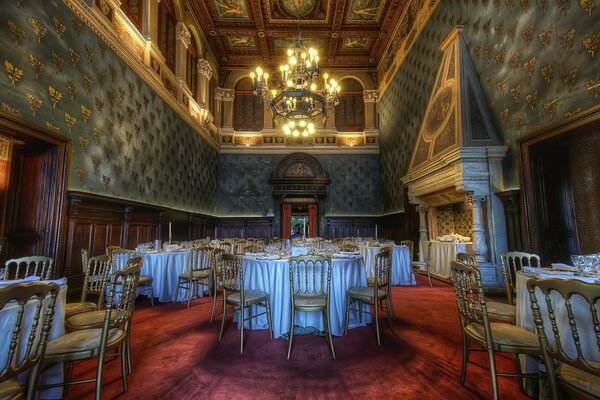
[563, 267]
[269, 257]
[29, 279]
[171, 247]
[299, 251]
[342, 255]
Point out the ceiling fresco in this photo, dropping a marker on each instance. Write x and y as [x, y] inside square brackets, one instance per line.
[347, 33]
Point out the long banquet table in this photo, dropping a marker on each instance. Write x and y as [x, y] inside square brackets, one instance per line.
[401, 268]
[272, 277]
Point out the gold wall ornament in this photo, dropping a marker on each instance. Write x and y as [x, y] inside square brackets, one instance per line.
[563, 6]
[87, 82]
[477, 51]
[127, 160]
[550, 107]
[59, 27]
[58, 62]
[55, 96]
[86, 113]
[17, 33]
[108, 153]
[34, 103]
[75, 57]
[499, 28]
[571, 113]
[40, 30]
[588, 5]
[96, 164]
[500, 57]
[511, 31]
[97, 134]
[101, 75]
[510, 4]
[501, 85]
[515, 92]
[52, 127]
[7, 108]
[591, 44]
[81, 174]
[545, 36]
[99, 104]
[527, 34]
[593, 86]
[566, 39]
[76, 23]
[542, 6]
[89, 52]
[548, 72]
[487, 54]
[489, 80]
[502, 115]
[569, 77]
[73, 89]
[70, 120]
[513, 61]
[106, 181]
[83, 143]
[529, 66]
[531, 98]
[118, 169]
[121, 93]
[38, 66]
[518, 122]
[14, 73]
[525, 5]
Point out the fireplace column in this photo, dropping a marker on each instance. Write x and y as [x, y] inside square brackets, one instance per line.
[423, 223]
[480, 247]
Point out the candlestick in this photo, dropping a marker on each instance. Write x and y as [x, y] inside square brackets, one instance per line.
[242, 233]
[304, 226]
[375, 231]
[170, 236]
[215, 231]
[357, 232]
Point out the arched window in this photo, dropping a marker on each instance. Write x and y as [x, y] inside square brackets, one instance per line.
[166, 31]
[350, 113]
[191, 70]
[134, 9]
[248, 109]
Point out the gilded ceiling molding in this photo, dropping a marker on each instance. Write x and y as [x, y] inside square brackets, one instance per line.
[371, 96]
[224, 94]
[183, 34]
[204, 68]
[100, 24]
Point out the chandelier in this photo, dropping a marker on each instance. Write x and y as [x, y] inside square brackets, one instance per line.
[297, 100]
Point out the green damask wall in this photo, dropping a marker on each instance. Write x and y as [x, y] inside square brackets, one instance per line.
[126, 141]
[514, 45]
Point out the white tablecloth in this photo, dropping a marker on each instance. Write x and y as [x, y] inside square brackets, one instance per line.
[524, 319]
[441, 255]
[272, 277]
[55, 373]
[401, 269]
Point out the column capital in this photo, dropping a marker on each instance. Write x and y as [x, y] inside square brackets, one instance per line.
[224, 94]
[183, 34]
[204, 68]
[371, 96]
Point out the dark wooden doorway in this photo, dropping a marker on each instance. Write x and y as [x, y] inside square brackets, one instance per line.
[33, 194]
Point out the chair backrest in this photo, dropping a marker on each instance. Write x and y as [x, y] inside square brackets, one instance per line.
[253, 248]
[111, 248]
[348, 247]
[310, 276]
[84, 260]
[200, 259]
[383, 268]
[120, 257]
[576, 336]
[19, 268]
[96, 276]
[27, 314]
[411, 247]
[125, 282]
[470, 299]
[467, 258]
[512, 262]
[227, 246]
[238, 246]
[232, 275]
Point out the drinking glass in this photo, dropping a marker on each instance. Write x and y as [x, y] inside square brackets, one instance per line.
[587, 265]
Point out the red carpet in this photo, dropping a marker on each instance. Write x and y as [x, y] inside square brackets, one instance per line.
[176, 355]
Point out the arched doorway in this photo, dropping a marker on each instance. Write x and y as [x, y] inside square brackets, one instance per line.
[299, 183]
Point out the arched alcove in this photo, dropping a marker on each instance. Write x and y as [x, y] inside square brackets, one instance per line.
[350, 113]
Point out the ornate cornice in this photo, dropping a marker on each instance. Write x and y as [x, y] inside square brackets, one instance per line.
[204, 68]
[224, 94]
[371, 96]
[183, 34]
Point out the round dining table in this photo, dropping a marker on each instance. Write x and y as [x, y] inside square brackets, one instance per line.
[272, 276]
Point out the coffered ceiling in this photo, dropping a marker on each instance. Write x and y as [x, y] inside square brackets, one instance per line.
[347, 33]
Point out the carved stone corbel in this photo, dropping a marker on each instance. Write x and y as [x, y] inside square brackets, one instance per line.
[183, 34]
[205, 69]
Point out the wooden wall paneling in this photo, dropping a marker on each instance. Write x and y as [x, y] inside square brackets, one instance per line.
[511, 199]
[246, 227]
[393, 226]
[350, 226]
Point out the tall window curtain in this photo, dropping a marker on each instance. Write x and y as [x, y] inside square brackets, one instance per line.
[249, 114]
[166, 32]
[191, 71]
[350, 113]
[133, 9]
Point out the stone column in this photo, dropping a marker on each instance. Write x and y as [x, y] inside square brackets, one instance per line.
[423, 232]
[205, 72]
[480, 247]
[226, 97]
[370, 98]
[183, 41]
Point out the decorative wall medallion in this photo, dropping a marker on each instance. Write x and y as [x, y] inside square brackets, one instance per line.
[89, 52]
[96, 164]
[40, 30]
[545, 36]
[439, 112]
[502, 115]
[14, 74]
[531, 98]
[59, 27]
[515, 92]
[593, 86]
[588, 5]
[97, 134]
[500, 57]
[86, 113]
[81, 174]
[72, 88]
[83, 143]
[513, 61]
[591, 43]
[566, 39]
[529, 66]
[542, 6]
[550, 107]
[34, 103]
[76, 23]
[563, 6]
[75, 57]
[527, 34]
[58, 62]
[569, 77]
[17, 33]
[70, 121]
[52, 127]
[7, 108]
[37, 65]
[548, 72]
[87, 82]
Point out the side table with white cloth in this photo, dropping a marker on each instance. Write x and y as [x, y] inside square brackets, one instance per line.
[441, 254]
[54, 374]
[401, 268]
[524, 317]
[272, 276]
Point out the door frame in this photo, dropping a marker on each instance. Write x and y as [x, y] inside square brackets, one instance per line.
[529, 223]
[18, 129]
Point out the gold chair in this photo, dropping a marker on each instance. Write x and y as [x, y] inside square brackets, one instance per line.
[348, 247]
[27, 340]
[253, 249]
[120, 258]
[198, 272]
[96, 342]
[476, 327]
[217, 279]
[84, 260]
[467, 258]
[512, 262]
[379, 290]
[236, 295]
[579, 376]
[238, 246]
[110, 249]
[19, 268]
[310, 282]
[94, 282]
[226, 246]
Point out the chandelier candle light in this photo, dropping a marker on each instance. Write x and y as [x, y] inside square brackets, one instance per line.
[297, 101]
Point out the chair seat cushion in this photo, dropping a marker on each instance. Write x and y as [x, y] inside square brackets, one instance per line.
[316, 302]
[87, 320]
[365, 293]
[195, 275]
[506, 337]
[10, 388]
[250, 296]
[145, 280]
[499, 311]
[580, 380]
[73, 342]
[78, 308]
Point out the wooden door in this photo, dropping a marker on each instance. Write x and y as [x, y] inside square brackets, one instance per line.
[286, 221]
[313, 220]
